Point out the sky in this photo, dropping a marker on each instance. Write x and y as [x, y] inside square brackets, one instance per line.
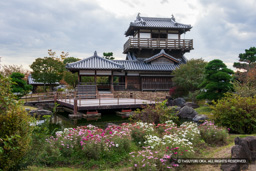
[221, 28]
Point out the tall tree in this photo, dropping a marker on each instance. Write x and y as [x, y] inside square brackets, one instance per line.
[47, 70]
[70, 60]
[108, 55]
[217, 80]
[247, 59]
[19, 85]
[189, 76]
[7, 70]
[70, 78]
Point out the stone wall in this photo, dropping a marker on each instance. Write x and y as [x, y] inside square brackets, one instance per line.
[145, 95]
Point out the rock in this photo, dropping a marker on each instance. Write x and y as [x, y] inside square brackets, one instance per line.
[40, 112]
[176, 102]
[187, 113]
[249, 145]
[200, 118]
[179, 102]
[192, 104]
[230, 167]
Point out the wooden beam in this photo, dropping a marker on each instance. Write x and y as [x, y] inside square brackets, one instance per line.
[95, 78]
[112, 82]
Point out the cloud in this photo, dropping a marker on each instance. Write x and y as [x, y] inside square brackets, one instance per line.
[164, 1]
[224, 29]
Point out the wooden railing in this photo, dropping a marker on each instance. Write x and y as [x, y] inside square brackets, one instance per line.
[155, 43]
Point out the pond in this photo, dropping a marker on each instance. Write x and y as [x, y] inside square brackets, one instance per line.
[61, 119]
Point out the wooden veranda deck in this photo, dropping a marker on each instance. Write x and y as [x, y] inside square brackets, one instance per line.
[106, 103]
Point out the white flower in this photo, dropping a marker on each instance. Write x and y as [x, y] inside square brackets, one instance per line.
[117, 145]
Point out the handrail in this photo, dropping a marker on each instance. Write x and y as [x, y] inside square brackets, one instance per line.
[160, 43]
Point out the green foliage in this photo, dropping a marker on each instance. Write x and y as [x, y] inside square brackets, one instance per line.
[189, 76]
[212, 134]
[217, 81]
[245, 89]
[237, 113]
[70, 60]
[71, 78]
[47, 70]
[156, 114]
[19, 85]
[15, 134]
[246, 59]
[108, 55]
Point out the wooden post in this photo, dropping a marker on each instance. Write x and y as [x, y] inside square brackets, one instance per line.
[134, 98]
[111, 82]
[75, 106]
[79, 100]
[125, 80]
[95, 77]
[118, 99]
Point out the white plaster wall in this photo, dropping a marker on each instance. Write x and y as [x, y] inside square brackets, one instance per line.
[173, 36]
[145, 35]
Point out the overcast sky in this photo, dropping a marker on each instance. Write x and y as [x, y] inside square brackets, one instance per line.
[221, 28]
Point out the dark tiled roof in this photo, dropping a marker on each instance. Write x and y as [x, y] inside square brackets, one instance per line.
[94, 62]
[31, 81]
[162, 53]
[142, 66]
[132, 64]
[152, 22]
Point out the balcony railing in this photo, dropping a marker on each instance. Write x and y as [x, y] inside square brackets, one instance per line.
[155, 43]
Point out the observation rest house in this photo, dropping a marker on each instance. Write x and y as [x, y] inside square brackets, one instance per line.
[154, 49]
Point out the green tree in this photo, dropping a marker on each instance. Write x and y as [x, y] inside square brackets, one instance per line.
[15, 134]
[189, 76]
[217, 81]
[47, 70]
[70, 60]
[108, 55]
[71, 78]
[18, 84]
[247, 59]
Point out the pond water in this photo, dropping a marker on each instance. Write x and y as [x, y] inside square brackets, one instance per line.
[62, 120]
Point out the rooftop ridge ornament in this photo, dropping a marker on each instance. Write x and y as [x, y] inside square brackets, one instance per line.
[95, 53]
[173, 18]
[138, 17]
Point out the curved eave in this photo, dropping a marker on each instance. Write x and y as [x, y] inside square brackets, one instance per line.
[131, 29]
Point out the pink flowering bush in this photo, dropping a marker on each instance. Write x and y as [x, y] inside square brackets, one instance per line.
[90, 142]
[148, 159]
[212, 134]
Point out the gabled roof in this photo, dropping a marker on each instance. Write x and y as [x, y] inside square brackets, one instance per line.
[95, 62]
[31, 81]
[162, 54]
[153, 22]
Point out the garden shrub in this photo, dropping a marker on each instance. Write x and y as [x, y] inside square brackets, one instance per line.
[156, 114]
[237, 113]
[15, 134]
[212, 134]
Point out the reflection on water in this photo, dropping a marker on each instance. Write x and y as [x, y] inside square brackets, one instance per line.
[107, 116]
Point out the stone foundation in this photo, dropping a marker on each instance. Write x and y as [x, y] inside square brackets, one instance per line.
[145, 95]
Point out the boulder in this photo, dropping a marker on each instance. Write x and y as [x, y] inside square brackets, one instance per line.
[249, 145]
[187, 113]
[176, 102]
[40, 112]
[200, 118]
[230, 167]
[192, 104]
